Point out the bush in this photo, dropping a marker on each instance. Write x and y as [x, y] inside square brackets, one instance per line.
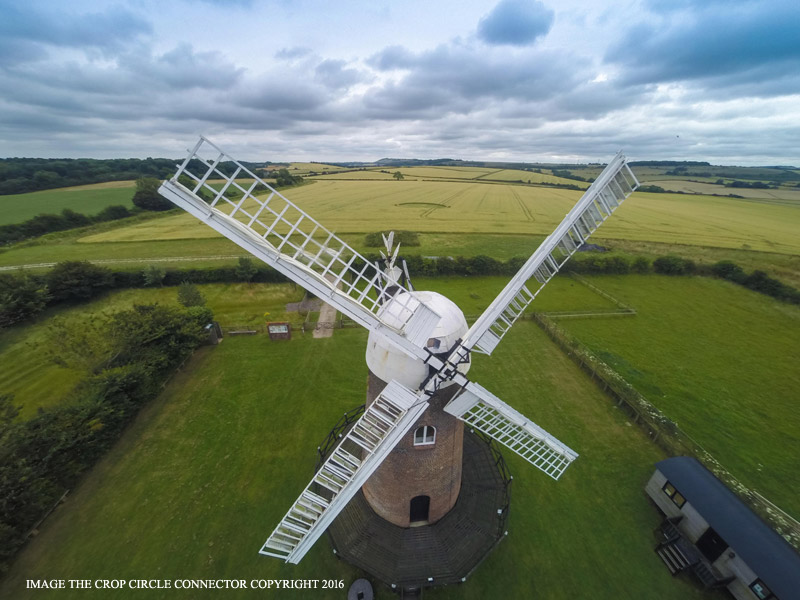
[284, 179]
[77, 280]
[112, 213]
[640, 265]
[21, 297]
[245, 269]
[617, 265]
[147, 196]
[759, 281]
[127, 279]
[153, 275]
[674, 265]
[727, 269]
[189, 295]
[481, 265]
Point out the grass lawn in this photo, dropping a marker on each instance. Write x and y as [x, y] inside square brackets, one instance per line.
[201, 478]
[86, 199]
[474, 294]
[719, 360]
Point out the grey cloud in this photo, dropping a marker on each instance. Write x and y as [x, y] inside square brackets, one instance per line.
[459, 78]
[515, 22]
[744, 42]
[182, 67]
[13, 52]
[392, 57]
[276, 93]
[334, 74]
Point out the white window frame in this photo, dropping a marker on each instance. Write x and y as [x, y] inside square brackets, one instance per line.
[425, 435]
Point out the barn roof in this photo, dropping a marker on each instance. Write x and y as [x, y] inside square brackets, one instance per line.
[764, 551]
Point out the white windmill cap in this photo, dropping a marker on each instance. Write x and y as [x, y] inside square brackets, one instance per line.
[386, 361]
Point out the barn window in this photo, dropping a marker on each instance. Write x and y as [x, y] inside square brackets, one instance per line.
[425, 436]
[761, 590]
[674, 495]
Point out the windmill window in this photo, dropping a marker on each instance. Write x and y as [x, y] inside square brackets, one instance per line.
[434, 343]
[425, 436]
[674, 495]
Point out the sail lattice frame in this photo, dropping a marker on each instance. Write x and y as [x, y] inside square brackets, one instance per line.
[264, 213]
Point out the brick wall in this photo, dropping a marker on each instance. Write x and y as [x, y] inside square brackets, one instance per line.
[410, 471]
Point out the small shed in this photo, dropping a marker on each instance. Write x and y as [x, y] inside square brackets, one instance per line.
[710, 532]
[279, 331]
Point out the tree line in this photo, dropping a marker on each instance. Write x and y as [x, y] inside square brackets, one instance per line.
[49, 223]
[125, 358]
[22, 175]
[24, 295]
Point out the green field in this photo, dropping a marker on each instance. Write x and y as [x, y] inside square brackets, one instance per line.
[456, 207]
[200, 479]
[86, 199]
[719, 360]
[362, 175]
[698, 187]
[514, 175]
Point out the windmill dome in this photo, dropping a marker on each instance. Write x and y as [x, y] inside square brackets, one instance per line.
[386, 361]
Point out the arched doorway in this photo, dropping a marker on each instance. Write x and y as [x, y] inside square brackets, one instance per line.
[419, 509]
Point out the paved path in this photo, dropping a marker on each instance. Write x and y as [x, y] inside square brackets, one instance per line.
[327, 317]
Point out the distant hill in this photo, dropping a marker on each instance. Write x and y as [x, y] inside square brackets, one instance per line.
[21, 175]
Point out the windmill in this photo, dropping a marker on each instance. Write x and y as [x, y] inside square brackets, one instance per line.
[418, 351]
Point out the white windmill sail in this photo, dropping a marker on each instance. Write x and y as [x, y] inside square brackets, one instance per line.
[375, 434]
[484, 411]
[603, 197]
[479, 407]
[285, 237]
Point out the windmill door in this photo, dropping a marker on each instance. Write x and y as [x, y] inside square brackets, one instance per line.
[419, 508]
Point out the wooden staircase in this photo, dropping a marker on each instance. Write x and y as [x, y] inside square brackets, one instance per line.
[681, 555]
[674, 557]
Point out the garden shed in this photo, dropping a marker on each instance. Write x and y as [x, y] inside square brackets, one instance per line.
[710, 532]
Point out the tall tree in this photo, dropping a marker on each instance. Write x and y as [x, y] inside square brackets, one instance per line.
[147, 196]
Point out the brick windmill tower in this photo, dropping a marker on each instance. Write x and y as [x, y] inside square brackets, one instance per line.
[403, 477]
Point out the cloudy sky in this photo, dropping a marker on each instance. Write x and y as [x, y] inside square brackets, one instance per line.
[565, 80]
